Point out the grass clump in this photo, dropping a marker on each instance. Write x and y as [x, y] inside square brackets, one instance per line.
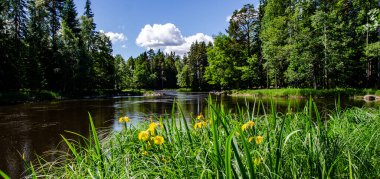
[221, 144]
[304, 92]
[184, 90]
[25, 95]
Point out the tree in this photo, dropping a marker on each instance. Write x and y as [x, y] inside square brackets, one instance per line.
[103, 63]
[142, 78]
[243, 28]
[69, 50]
[184, 73]
[8, 76]
[273, 35]
[37, 40]
[54, 66]
[89, 14]
[221, 69]
[54, 9]
[69, 15]
[122, 73]
[170, 70]
[197, 61]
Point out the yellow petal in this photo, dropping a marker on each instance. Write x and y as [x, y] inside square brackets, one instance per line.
[259, 139]
[250, 139]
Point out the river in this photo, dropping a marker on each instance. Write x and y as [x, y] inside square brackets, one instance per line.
[35, 128]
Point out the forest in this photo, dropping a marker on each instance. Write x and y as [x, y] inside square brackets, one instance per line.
[320, 44]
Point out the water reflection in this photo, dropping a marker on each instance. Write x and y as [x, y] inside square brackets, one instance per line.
[35, 128]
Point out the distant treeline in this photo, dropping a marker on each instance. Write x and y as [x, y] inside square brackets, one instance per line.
[281, 43]
[44, 45]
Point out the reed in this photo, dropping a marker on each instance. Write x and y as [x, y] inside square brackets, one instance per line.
[221, 144]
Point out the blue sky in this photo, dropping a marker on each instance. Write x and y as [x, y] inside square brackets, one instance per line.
[178, 22]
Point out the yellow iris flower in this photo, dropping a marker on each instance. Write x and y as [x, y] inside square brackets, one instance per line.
[200, 125]
[250, 139]
[259, 139]
[143, 135]
[158, 140]
[152, 127]
[200, 116]
[124, 119]
[247, 125]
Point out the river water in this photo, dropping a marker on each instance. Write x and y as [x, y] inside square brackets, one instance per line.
[35, 128]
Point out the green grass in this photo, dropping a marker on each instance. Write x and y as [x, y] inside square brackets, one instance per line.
[304, 92]
[134, 92]
[23, 95]
[184, 90]
[304, 144]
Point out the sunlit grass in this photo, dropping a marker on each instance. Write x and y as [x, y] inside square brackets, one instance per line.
[220, 144]
[305, 92]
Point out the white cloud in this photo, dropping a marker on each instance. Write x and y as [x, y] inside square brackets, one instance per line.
[158, 36]
[114, 36]
[184, 48]
[169, 38]
[228, 18]
[124, 46]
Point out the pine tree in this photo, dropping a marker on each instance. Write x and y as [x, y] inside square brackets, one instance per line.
[54, 9]
[18, 50]
[7, 67]
[69, 15]
[37, 40]
[89, 14]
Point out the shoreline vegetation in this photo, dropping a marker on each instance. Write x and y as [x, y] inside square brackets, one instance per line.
[25, 95]
[22, 96]
[221, 144]
[305, 92]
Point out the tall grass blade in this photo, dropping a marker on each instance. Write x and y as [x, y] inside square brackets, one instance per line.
[5, 176]
[97, 145]
[186, 125]
[248, 156]
[228, 155]
[350, 165]
[73, 150]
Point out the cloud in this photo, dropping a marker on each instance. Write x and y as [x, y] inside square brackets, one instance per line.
[115, 37]
[169, 38]
[228, 18]
[124, 46]
[184, 48]
[158, 36]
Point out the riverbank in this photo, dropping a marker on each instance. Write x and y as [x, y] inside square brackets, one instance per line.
[302, 93]
[301, 144]
[21, 96]
[25, 96]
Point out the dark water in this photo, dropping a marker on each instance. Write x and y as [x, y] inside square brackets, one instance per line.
[35, 128]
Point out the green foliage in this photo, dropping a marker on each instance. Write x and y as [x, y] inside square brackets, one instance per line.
[37, 57]
[305, 92]
[152, 70]
[302, 144]
[221, 71]
[299, 44]
[22, 95]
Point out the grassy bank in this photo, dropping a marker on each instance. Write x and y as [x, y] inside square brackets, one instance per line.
[343, 144]
[306, 92]
[12, 97]
[184, 90]
[25, 95]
